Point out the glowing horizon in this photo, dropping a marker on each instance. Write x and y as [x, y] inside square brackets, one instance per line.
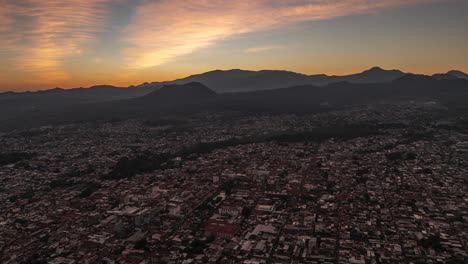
[80, 43]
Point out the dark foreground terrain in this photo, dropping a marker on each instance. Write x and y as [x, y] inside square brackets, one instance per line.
[359, 183]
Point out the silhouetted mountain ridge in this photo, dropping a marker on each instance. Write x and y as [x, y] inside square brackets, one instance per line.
[195, 98]
[14, 103]
[178, 94]
[458, 74]
[373, 75]
[190, 93]
[444, 76]
[414, 78]
[241, 81]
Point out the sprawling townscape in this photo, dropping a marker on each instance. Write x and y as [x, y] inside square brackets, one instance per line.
[382, 184]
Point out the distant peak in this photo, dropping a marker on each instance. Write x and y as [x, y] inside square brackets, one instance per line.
[456, 72]
[54, 90]
[230, 70]
[102, 86]
[376, 68]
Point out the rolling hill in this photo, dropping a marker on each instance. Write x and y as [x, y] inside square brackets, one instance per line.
[195, 97]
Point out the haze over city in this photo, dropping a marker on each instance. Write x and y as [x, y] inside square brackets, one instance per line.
[46, 44]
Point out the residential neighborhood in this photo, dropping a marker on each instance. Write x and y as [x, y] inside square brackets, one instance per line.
[395, 196]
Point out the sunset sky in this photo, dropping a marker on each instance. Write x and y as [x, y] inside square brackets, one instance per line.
[73, 43]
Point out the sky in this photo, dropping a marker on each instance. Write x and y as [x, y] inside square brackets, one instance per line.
[80, 43]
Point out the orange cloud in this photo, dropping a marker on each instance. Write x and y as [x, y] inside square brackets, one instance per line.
[40, 34]
[164, 30]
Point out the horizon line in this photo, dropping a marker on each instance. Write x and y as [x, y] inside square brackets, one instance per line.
[223, 70]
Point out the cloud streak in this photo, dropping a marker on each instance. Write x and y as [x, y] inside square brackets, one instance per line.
[164, 30]
[40, 35]
[262, 48]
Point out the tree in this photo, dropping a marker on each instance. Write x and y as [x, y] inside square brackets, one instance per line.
[411, 156]
[210, 238]
[141, 244]
[455, 260]
[197, 246]
[432, 241]
[394, 156]
[246, 211]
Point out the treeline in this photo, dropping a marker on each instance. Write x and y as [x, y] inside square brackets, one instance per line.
[129, 167]
[12, 157]
[316, 135]
[147, 162]
[322, 134]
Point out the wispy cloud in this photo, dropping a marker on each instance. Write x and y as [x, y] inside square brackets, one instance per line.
[5, 21]
[262, 48]
[163, 30]
[42, 34]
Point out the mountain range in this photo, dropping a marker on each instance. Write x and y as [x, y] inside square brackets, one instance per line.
[235, 80]
[196, 97]
[12, 103]
[244, 81]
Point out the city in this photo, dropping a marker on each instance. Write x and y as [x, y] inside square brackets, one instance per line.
[233, 132]
[84, 193]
